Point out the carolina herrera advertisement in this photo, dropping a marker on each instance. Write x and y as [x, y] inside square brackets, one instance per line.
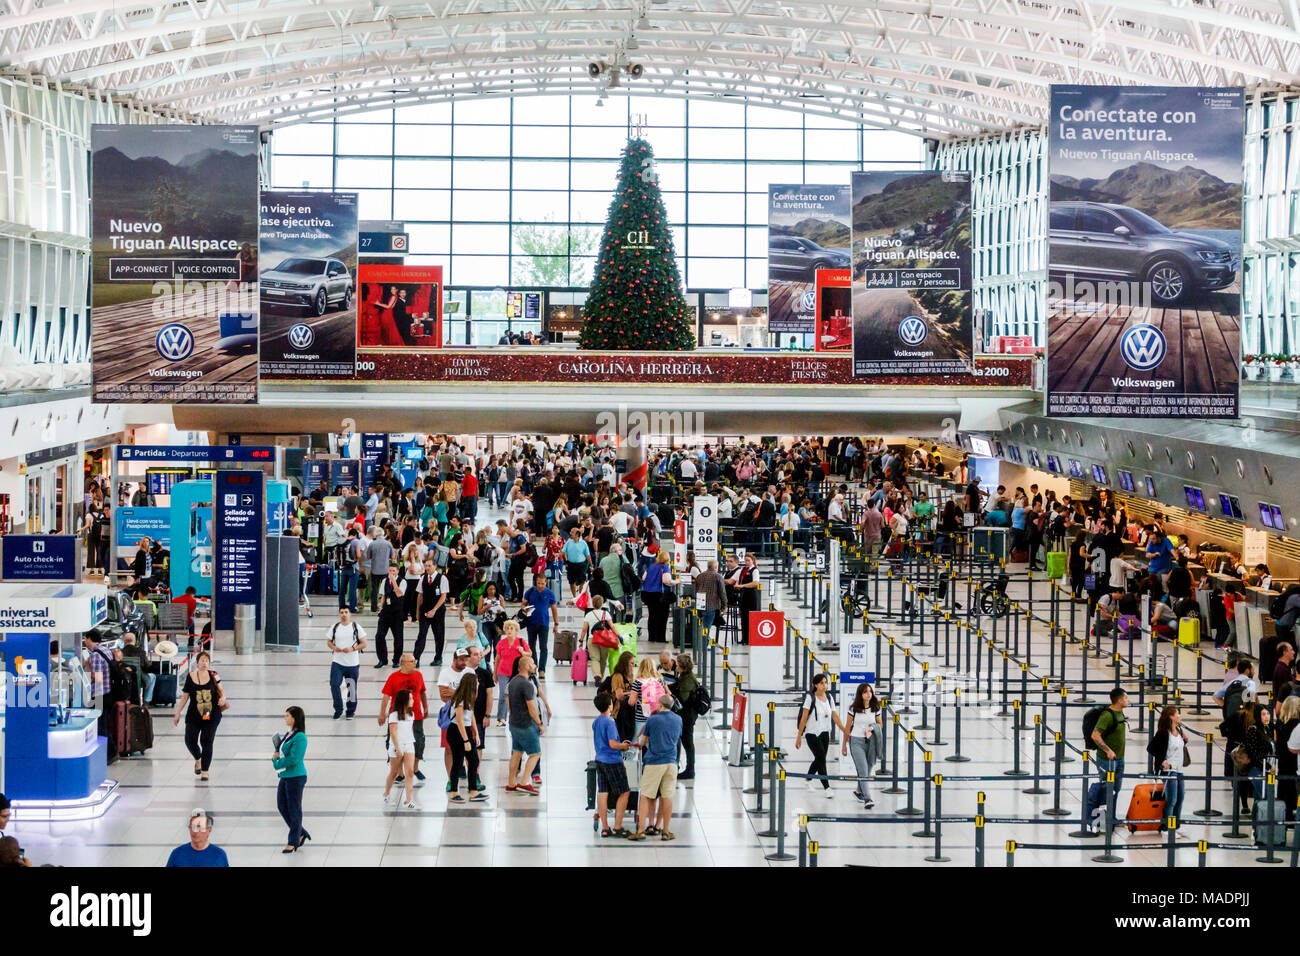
[911, 273]
[174, 263]
[307, 278]
[807, 230]
[834, 311]
[401, 308]
[1144, 257]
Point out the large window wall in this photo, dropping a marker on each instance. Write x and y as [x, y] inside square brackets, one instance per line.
[1271, 227]
[515, 191]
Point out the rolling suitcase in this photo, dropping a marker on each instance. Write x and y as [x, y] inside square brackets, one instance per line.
[1262, 826]
[562, 652]
[139, 734]
[1189, 630]
[578, 669]
[1148, 806]
[119, 726]
[1055, 565]
[591, 785]
[325, 579]
[164, 690]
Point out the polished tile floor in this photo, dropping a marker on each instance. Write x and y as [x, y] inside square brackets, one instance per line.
[713, 821]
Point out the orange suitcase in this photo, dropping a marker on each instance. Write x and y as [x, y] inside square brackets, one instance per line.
[1146, 810]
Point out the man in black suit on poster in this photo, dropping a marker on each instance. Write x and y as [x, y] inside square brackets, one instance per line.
[402, 318]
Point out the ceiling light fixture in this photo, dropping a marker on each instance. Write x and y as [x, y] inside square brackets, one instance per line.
[632, 44]
[643, 23]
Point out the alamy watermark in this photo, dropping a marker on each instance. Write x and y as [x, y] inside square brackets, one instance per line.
[639, 426]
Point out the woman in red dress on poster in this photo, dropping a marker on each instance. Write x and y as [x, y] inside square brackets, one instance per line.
[388, 332]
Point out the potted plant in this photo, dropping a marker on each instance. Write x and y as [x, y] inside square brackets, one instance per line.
[1293, 364]
[1250, 364]
[1277, 366]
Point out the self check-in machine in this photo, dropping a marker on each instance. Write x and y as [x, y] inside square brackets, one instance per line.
[52, 748]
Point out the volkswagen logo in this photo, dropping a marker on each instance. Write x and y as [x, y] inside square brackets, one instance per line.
[174, 342]
[809, 301]
[301, 336]
[913, 330]
[1143, 347]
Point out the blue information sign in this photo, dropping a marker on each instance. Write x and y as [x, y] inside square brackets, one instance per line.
[236, 453]
[136, 523]
[344, 471]
[39, 557]
[239, 526]
[374, 452]
[314, 470]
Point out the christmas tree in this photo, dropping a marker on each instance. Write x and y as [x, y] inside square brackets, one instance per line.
[636, 293]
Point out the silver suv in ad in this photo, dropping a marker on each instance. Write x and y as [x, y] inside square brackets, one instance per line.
[800, 258]
[1108, 242]
[311, 284]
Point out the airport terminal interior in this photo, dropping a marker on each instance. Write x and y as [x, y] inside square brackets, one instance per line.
[649, 432]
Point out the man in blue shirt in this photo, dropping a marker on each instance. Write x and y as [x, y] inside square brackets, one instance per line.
[577, 558]
[540, 599]
[660, 736]
[199, 853]
[611, 776]
[1160, 553]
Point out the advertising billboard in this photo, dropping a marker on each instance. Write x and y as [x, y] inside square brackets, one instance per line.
[911, 273]
[1144, 251]
[834, 311]
[807, 229]
[400, 308]
[174, 264]
[307, 280]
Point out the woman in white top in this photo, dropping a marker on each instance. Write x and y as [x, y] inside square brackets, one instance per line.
[816, 715]
[414, 565]
[864, 736]
[597, 656]
[1168, 746]
[401, 748]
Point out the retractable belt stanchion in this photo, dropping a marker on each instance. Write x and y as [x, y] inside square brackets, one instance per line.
[1108, 794]
[925, 833]
[979, 829]
[780, 856]
[1270, 818]
[909, 810]
[957, 756]
[938, 740]
[1084, 832]
[894, 787]
[1056, 810]
[937, 856]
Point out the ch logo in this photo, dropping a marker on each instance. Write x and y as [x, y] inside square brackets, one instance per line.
[809, 301]
[913, 330]
[1143, 347]
[301, 336]
[174, 342]
[25, 667]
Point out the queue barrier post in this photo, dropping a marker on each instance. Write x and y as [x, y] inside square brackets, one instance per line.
[1207, 810]
[812, 855]
[938, 740]
[1295, 840]
[780, 856]
[772, 770]
[1171, 827]
[803, 840]
[1056, 810]
[893, 786]
[925, 832]
[1270, 819]
[910, 810]
[1063, 757]
[1235, 833]
[1085, 831]
[937, 856]
[1108, 824]
[1011, 854]
[1039, 743]
[1201, 847]
[979, 829]
[957, 756]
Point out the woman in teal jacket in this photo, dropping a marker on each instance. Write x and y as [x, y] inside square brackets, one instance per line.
[288, 763]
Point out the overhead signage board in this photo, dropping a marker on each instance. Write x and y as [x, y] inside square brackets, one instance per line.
[239, 529]
[169, 453]
[911, 273]
[39, 557]
[307, 280]
[807, 229]
[174, 263]
[1144, 251]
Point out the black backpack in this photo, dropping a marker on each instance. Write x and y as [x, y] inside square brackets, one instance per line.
[1090, 724]
[1232, 699]
[1277, 606]
[628, 577]
[702, 700]
[123, 684]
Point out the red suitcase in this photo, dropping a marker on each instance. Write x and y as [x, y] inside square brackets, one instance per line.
[578, 667]
[1148, 804]
[118, 724]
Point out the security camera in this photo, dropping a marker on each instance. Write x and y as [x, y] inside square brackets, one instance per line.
[635, 71]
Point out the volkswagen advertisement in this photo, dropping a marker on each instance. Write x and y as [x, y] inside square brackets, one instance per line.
[174, 264]
[911, 273]
[807, 230]
[307, 279]
[1144, 251]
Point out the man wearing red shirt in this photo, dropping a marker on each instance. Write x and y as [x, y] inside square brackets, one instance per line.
[191, 601]
[407, 677]
[468, 508]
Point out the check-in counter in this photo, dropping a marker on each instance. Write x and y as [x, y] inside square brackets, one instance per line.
[1249, 626]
